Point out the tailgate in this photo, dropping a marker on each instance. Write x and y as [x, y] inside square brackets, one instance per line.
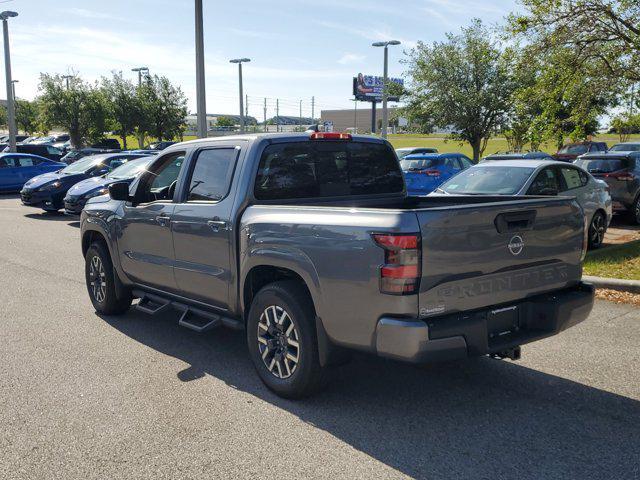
[475, 256]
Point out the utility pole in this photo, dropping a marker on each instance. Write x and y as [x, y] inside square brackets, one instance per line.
[300, 118]
[265, 114]
[313, 108]
[355, 115]
[385, 81]
[13, 88]
[11, 108]
[246, 107]
[277, 115]
[201, 99]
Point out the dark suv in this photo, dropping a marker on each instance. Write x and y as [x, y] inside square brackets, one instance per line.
[621, 171]
[571, 151]
[46, 151]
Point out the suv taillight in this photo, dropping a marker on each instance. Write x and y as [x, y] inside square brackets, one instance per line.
[622, 176]
[400, 274]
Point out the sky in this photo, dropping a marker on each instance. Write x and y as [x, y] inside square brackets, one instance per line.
[298, 48]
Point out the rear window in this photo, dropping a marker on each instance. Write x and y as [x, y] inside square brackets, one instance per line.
[481, 180]
[604, 165]
[418, 164]
[327, 169]
[626, 147]
[574, 149]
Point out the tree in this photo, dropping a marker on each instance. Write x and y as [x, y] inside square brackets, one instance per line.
[626, 125]
[225, 122]
[81, 109]
[3, 117]
[123, 103]
[163, 109]
[463, 83]
[27, 114]
[598, 35]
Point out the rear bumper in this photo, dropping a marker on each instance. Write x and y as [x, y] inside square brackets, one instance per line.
[468, 334]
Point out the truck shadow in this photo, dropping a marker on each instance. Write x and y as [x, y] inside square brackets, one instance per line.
[480, 418]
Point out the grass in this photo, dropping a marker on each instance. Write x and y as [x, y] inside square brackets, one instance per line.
[494, 145]
[619, 261]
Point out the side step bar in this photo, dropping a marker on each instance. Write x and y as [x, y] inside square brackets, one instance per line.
[196, 319]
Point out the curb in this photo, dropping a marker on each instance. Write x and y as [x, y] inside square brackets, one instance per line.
[632, 286]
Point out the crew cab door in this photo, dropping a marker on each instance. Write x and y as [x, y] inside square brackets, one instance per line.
[9, 172]
[145, 242]
[202, 226]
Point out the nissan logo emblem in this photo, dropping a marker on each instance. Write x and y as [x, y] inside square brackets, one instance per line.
[516, 244]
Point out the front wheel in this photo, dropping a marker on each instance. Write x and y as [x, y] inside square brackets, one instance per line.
[635, 211]
[597, 229]
[282, 341]
[101, 282]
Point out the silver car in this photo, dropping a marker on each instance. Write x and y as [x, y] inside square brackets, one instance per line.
[538, 177]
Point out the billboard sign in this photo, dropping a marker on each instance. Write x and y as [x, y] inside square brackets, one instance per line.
[368, 88]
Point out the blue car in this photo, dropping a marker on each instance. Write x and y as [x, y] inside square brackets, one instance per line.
[48, 190]
[17, 168]
[78, 195]
[424, 172]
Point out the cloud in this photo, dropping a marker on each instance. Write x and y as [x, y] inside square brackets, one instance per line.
[81, 12]
[349, 58]
[373, 34]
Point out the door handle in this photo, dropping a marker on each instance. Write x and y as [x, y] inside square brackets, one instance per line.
[217, 225]
[163, 220]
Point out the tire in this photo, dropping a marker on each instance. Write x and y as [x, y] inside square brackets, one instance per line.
[101, 282]
[597, 229]
[282, 340]
[635, 211]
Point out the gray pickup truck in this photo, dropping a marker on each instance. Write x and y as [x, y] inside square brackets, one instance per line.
[309, 243]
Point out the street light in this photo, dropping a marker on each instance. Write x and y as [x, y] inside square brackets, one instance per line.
[385, 115]
[355, 114]
[240, 61]
[13, 88]
[140, 70]
[67, 78]
[11, 109]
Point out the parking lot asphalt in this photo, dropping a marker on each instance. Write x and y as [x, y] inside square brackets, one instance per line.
[85, 397]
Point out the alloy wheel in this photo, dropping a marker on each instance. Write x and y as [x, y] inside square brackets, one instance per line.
[278, 341]
[597, 230]
[97, 279]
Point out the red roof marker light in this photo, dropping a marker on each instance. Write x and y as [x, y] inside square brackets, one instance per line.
[330, 136]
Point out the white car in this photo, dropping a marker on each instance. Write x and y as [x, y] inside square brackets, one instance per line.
[538, 177]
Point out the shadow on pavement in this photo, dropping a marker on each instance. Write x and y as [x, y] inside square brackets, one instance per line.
[55, 217]
[480, 418]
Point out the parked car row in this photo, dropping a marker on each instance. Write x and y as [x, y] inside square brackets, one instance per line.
[603, 181]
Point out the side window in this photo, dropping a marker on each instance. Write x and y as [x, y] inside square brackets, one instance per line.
[52, 150]
[8, 161]
[211, 175]
[584, 177]
[571, 178]
[27, 162]
[545, 183]
[451, 162]
[466, 163]
[158, 183]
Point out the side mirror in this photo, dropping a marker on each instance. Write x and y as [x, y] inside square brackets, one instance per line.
[100, 172]
[119, 191]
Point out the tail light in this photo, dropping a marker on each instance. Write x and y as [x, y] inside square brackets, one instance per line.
[622, 176]
[430, 173]
[330, 136]
[400, 274]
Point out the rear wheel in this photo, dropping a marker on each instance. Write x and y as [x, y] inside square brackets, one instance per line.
[101, 282]
[597, 229]
[282, 341]
[635, 211]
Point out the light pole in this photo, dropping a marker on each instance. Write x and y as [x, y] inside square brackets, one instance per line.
[240, 61]
[140, 70]
[201, 99]
[385, 114]
[355, 114]
[11, 109]
[13, 88]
